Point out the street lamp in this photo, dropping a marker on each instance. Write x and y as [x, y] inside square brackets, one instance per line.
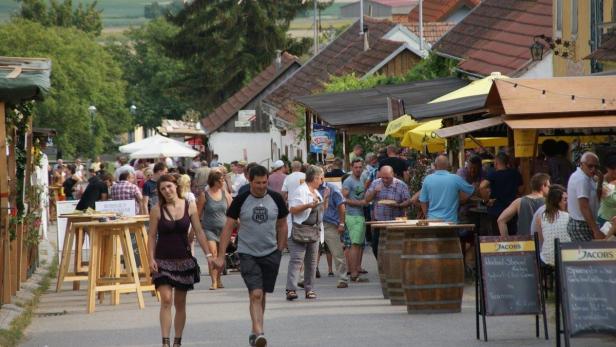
[133, 109]
[565, 49]
[92, 110]
[536, 50]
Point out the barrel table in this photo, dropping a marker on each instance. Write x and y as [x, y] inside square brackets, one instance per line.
[384, 255]
[431, 266]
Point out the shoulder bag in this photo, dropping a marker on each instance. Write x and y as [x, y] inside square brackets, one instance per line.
[306, 233]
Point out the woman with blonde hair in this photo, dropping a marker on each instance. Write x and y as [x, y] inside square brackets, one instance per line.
[184, 186]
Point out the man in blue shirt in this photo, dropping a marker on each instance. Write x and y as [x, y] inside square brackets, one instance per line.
[333, 225]
[440, 193]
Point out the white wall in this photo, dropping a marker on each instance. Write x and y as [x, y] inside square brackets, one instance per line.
[542, 69]
[230, 146]
[290, 140]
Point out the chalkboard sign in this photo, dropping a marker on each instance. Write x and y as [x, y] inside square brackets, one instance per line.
[508, 281]
[587, 287]
[510, 276]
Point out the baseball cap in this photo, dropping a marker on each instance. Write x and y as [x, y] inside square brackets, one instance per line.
[277, 164]
[242, 163]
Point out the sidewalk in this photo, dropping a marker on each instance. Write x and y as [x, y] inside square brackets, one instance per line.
[357, 316]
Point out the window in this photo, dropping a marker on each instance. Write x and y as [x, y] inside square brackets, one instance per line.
[559, 15]
[574, 18]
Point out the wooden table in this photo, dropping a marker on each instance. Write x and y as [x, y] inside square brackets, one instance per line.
[75, 234]
[105, 270]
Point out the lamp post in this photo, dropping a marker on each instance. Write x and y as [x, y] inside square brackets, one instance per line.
[133, 109]
[92, 110]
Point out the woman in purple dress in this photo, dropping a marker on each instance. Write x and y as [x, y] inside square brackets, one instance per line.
[174, 270]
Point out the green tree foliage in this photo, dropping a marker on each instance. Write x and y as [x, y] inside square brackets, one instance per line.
[86, 18]
[152, 76]
[225, 43]
[83, 74]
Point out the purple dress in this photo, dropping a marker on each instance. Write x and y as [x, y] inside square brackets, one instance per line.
[176, 265]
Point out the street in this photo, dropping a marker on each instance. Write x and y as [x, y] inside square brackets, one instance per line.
[357, 316]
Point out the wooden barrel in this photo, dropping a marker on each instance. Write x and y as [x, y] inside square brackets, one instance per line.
[432, 271]
[381, 261]
[393, 269]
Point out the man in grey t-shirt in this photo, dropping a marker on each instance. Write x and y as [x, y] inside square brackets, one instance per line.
[353, 191]
[262, 236]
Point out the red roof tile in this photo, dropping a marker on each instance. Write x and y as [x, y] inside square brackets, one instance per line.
[439, 10]
[433, 31]
[344, 55]
[231, 106]
[497, 35]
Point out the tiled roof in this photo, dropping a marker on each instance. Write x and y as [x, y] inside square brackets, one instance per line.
[607, 50]
[345, 54]
[432, 31]
[439, 10]
[497, 35]
[229, 108]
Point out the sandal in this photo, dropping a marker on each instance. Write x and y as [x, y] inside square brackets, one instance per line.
[220, 286]
[311, 295]
[291, 295]
[213, 287]
[177, 342]
[166, 342]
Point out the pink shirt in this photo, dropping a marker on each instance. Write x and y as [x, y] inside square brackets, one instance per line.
[275, 181]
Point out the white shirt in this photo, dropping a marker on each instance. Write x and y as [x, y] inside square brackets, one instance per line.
[551, 232]
[581, 186]
[293, 181]
[301, 196]
[237, 181]
[124, 168]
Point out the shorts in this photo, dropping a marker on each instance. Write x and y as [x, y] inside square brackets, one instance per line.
[260, 272]
[356, 225]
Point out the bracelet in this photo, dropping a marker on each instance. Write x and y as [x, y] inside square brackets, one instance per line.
[341, 224]
[209, 255]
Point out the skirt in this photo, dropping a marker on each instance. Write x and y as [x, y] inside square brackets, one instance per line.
[180, 274]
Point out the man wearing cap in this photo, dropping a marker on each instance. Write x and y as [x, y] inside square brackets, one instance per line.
[237, 176]
[276, 178]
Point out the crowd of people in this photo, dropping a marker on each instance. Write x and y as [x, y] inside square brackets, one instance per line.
[311, 210]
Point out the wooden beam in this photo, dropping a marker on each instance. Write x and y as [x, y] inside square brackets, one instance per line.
[5, 295]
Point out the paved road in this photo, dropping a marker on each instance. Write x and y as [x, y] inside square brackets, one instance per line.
[357, 316]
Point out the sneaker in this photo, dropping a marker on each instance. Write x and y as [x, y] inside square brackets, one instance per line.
[330, 274]
[251, 339]
[359, 279]
[260, 341]
[342, 285]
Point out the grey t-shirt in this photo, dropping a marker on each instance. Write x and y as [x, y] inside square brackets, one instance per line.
[356, 192]
[257, 216]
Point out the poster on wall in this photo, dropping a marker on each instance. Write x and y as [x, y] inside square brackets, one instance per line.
[322, 139]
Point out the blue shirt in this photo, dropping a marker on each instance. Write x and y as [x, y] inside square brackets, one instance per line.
[441, 190]
[335, 199]
[356, 192]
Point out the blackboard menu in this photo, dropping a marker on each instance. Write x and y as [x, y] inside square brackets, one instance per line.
[588, 285]
[510, 278]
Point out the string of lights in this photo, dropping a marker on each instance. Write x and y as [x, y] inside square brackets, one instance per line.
[573, 97]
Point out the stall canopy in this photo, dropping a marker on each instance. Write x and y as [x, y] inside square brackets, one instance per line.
[24, 79]
[170, 148]
[370, 106]
[149, 142]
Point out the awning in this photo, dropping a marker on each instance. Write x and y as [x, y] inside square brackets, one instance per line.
[565, 122]
[447, 109]
[369, 106]
[23, 79]
[469, 127]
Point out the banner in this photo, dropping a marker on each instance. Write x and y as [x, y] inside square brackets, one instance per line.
[322, 139]
[63, 207]
[121, 207]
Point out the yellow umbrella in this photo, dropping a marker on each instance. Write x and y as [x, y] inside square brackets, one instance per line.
[399, 126]
[424, 133]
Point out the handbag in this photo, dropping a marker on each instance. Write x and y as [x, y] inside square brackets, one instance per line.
[196, 268]
[306, 233]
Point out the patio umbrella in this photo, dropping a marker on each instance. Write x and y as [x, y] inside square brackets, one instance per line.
[399, 126]
[148, 142]
[169, 148]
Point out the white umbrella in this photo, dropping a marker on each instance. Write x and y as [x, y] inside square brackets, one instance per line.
[147, 143]
[169, 148]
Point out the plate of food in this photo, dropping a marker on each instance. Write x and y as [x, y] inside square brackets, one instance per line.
[388, 202]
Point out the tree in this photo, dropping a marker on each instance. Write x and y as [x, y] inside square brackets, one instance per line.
[83, 74]
[86, 18]
[151, 75]
[225, 43]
